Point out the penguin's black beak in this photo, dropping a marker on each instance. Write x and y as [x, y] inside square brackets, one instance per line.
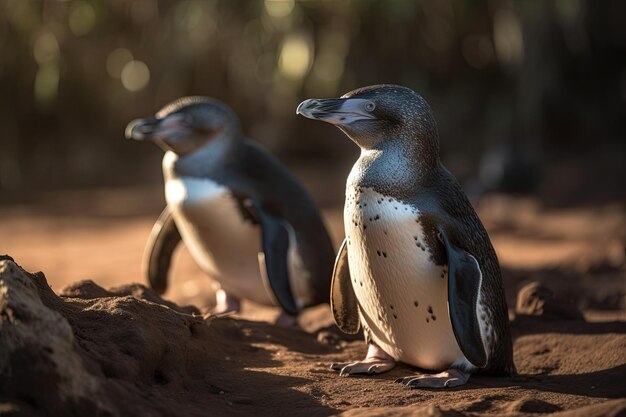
[140, 129]
[337, 111]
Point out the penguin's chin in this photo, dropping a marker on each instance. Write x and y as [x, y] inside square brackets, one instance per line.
[181, 149]
[363, 138]
[165, 147]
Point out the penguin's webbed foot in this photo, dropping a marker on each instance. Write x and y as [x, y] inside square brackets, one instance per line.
[226, 304]
[365, 367]
[286, 320]
[377, 361]
[446, 379]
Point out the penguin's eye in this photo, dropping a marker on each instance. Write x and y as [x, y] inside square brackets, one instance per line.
[370, 106]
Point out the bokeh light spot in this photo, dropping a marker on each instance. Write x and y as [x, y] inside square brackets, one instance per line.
[23, 15]
[194, 18]
[47, 83]
[46, 48]
[295, 56]
[82, 18]
[116, 61]
[135, 75]
[279, 8]
[508, 40]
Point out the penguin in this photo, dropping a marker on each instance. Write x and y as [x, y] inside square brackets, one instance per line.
[416, 271]
[245, 219]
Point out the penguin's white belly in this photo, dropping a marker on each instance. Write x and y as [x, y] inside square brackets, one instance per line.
[402, 293]
[220, 240]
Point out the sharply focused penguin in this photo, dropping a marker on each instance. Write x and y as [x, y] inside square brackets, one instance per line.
[416, 270]
[247, 222]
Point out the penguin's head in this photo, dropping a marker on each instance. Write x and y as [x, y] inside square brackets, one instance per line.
[186, 125]
[374, 115]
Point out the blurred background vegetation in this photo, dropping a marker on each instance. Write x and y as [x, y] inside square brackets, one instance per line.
[530, 96]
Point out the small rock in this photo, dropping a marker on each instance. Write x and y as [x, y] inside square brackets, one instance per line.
[328, 338]
[536, 299]
[531, 405]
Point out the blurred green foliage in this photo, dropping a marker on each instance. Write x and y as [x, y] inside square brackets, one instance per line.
[538, 77]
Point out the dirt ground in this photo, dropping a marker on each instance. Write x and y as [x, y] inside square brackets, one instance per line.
[564, 365]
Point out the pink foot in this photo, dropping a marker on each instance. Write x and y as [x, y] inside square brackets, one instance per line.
[446, 379]
[286, 320]
[226, 304]
[376, 362]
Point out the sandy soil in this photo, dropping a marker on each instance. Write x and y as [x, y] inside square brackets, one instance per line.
[564, 365]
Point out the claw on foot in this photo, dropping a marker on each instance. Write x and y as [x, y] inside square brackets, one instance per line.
[447, 379]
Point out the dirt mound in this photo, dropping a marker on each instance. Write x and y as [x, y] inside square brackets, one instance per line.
[119, 352]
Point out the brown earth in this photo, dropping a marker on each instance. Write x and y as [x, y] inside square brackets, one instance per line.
[125, 351]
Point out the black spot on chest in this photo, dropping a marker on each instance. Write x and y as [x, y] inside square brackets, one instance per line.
[245, 208]
[430, 229]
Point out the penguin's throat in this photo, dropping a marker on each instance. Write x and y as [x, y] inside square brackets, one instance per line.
[389, 172]
[207, 158]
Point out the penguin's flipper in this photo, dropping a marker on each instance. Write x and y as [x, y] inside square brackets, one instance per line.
[343, 302]
[273, 259]
[464, 282]
[162, 242]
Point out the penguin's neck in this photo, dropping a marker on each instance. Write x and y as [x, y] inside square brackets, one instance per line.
[211, 157]
[394, 170]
